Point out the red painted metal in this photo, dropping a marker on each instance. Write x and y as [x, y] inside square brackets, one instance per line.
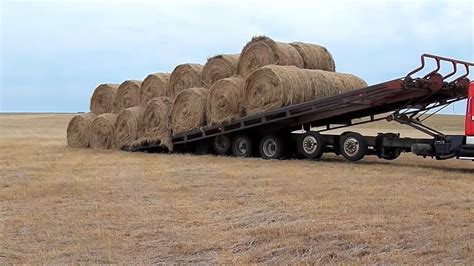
[470, 111]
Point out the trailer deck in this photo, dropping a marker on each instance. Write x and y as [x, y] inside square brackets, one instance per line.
[406, 98]
[391, 96]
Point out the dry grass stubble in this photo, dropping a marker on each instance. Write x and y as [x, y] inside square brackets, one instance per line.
[66, 205]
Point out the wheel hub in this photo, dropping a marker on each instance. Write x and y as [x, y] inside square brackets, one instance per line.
[269, 147]
[221, 142]
[242, 146]
[351, 146]
[310, 144]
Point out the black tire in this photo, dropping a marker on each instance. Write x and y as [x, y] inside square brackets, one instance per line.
[221, 144]
[271, 147]
[242, 146]
[202, 147]
[353, 146]
[311, 145]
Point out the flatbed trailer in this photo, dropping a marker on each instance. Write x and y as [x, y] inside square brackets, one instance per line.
[291, 130]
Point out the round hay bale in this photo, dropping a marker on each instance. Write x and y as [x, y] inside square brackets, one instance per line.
[224, 102]
[154, 85]
[127, 126]
[156, 116]
[185, 76]
[219, 67]
[155, 122]
[128, 95]
[272, 87]
[262, 51]
[315, 56]
[102, 132]
[326, 84]
[78, 130]
[189, 110]
[102, 100]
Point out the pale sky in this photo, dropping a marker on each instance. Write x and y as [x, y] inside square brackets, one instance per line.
[54, 53]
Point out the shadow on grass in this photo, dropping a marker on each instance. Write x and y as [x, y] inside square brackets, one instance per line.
[331, 158]
[400, 164]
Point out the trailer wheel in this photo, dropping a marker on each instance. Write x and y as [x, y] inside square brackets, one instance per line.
[202, 147]
[353, 146]
[242, 146]
[221, 144]
[311, 145]
[271, 147]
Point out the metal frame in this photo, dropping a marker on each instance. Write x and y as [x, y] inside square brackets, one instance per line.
[392, 96]
[403, 97]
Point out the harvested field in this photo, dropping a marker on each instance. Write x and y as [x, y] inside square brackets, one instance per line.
[66, 205]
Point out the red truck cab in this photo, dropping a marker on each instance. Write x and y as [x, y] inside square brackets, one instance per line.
[470, 111]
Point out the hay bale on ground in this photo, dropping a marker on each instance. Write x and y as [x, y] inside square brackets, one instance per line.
[272, 87]
[185, 76]
[102, 100]
[262, 51]
[144, 144]
[78, 130]
[189, 110]
[127, 126]
[154, 85]
[102, 132]
[219, 67]
[155, 122]
[224, 102]
[128, 95]
[315, 56]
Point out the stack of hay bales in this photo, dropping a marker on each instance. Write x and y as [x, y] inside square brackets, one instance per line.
[79, 128]
[266, 75]
[115, 116]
